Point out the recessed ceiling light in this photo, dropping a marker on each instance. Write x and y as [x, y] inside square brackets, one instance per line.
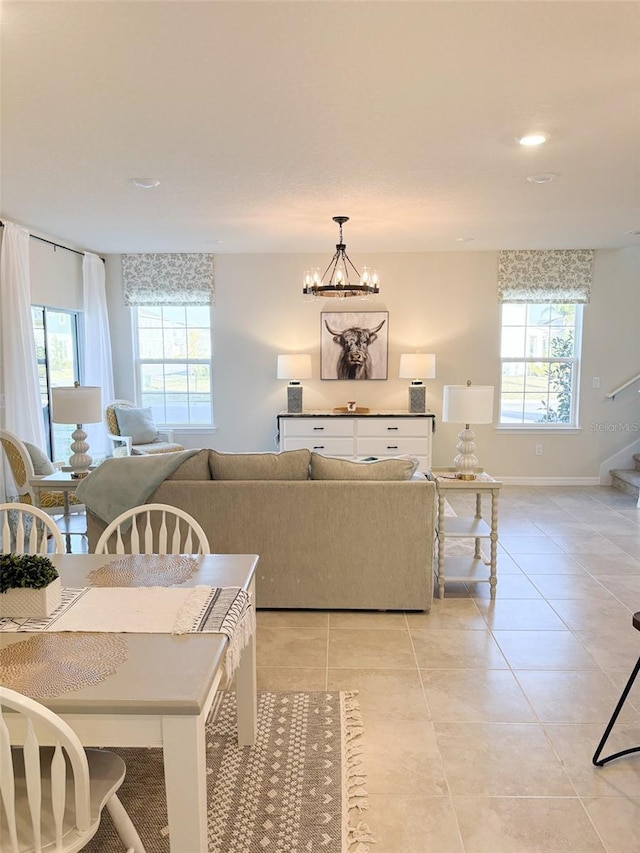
[545, 178]
[464, 239]
[634, 231]
[530, 140]
[145, 183]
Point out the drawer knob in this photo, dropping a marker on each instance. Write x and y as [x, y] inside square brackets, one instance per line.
[392, 427]
[318, 446]
[392, 446]
[318, 427]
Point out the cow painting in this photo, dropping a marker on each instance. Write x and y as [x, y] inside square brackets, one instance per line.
[356, 348]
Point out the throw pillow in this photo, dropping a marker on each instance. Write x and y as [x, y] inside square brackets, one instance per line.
[335, 468]
[286, 465]
[42, 465]
[138, 423]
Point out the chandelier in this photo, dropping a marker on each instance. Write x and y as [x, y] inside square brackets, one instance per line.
[336, 279]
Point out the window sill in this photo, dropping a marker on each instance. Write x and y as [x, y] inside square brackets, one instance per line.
[531, 428]
[184, 430]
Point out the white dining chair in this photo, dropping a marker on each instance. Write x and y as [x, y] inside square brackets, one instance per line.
[53, 796]
[147, 532]
[26, 529]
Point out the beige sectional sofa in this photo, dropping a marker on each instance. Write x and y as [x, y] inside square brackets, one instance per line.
[323, 543]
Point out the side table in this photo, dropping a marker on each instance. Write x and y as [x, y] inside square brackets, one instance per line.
[59, 481]
[472, 568]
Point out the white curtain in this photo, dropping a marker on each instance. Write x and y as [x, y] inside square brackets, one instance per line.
[19, 386]
[98, 367]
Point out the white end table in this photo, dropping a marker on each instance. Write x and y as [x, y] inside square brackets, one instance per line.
[472, 569]
[59, 481]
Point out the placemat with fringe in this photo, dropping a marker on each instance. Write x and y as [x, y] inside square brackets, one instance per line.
[301, 787]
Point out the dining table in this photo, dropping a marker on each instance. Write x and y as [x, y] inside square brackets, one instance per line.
[162, 687]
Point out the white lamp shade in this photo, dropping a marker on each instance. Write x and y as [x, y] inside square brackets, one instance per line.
[294, 366]
[467, 404]
[79, 404]
[417, 365]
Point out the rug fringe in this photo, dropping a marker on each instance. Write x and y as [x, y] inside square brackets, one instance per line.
[357, 835]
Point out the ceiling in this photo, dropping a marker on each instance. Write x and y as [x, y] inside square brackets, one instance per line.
[262, 120]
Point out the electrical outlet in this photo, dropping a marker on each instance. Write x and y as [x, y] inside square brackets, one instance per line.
[595, 382]
[538, 450]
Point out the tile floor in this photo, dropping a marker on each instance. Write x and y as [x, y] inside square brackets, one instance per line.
[482, 716]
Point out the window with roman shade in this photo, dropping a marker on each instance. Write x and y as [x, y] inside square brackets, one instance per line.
[542, 293]
[171, 297]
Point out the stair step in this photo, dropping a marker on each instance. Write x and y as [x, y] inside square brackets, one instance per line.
[627, 480]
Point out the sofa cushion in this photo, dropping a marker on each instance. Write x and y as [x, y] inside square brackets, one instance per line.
[194, 468]
[286, 465]
[42, 465]
[138, 423]
[335, 468]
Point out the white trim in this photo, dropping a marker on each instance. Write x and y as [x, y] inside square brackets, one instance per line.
[548, 481]
[514, 429]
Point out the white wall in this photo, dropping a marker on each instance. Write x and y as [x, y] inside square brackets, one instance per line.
[444, 303]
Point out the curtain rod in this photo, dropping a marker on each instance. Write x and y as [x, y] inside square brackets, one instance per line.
[55, 245]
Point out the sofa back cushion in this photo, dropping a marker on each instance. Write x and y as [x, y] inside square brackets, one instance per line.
[335, 468]
[194, 468]
[286, 465]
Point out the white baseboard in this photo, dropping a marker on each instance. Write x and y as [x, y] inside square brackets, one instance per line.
[548, 481]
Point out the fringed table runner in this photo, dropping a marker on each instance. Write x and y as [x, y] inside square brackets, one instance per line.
[151, 610]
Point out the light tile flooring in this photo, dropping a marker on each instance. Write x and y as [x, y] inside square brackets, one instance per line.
[482, 716]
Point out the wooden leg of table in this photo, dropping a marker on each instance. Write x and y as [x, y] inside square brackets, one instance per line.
[441, 537]
[246, 693]
[186, 782]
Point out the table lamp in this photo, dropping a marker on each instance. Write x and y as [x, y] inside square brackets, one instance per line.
[467, 404]
[79, 404]
[417, 366]
[294, 367]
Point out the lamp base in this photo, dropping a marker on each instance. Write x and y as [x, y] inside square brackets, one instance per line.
[294, 399]
[417, 399]
[80, 461]
[466, 460]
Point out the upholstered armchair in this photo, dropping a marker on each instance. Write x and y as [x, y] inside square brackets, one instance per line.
[133, 432]
[27, 461]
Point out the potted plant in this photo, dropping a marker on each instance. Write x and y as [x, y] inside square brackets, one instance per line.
[29, 586]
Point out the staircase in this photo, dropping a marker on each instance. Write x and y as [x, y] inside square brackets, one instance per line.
[628, 480]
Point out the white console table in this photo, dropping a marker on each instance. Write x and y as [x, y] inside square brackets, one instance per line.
[356, 436]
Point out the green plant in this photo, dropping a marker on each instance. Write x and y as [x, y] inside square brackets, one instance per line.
[560, 382]
[25, 571]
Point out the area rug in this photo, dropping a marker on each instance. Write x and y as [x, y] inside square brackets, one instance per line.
[300, 789]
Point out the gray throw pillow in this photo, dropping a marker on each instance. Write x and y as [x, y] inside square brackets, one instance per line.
[286, 465]
[42, 465]
[335, 468]
[138, 423]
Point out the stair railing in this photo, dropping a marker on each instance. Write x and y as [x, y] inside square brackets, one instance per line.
[620, 388]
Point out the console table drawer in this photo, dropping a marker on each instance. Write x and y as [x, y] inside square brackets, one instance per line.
[313, 428]
[392, 446]
[321, 444]
[379, 427]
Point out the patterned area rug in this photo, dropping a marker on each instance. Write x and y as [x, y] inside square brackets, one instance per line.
[300, 789]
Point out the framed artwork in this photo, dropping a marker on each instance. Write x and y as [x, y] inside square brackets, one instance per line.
[354, 344]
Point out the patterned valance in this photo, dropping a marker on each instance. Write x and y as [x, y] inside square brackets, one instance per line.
[545, 276]
[168, 279]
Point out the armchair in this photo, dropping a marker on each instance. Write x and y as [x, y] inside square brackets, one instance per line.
[21, 456]
[131, 445]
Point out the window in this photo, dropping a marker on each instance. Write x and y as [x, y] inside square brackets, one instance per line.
[540, 361]
[174, 363]
[57, 352]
